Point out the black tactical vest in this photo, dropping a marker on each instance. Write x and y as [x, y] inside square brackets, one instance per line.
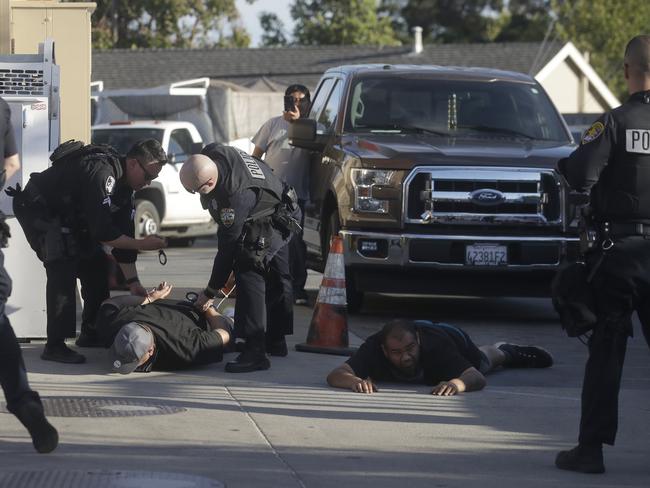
[622, 193]
[238, 171]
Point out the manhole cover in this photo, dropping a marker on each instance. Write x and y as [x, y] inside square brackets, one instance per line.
[103, 407]
[103, 479]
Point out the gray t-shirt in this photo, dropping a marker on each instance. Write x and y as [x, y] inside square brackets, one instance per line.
[290, 163]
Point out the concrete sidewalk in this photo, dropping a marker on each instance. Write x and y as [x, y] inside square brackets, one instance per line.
[285, 428]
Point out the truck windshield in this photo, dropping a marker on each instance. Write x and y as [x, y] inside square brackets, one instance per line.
[122, 139]
[453, 108]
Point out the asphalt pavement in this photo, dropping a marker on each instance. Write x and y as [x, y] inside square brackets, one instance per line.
[286, 428]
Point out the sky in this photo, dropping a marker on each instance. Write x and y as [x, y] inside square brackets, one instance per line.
[250, 16]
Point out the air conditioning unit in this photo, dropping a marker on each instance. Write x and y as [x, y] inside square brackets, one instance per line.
[29, 83]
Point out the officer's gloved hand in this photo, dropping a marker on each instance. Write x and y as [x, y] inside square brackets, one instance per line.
[12, 191]
[152, 243]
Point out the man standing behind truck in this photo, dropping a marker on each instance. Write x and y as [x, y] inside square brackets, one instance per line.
[291, 165]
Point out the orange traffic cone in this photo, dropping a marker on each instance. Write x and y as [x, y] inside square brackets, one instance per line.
[328, 331]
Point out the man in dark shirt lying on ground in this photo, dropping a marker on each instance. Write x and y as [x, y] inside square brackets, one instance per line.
[420, 351]
[153, 333]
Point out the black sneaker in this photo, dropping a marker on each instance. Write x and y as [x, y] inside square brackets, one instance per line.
[525, 356]
[248, 361]
[88, 339]
[62, 354]
[584, 459]
[44, 436]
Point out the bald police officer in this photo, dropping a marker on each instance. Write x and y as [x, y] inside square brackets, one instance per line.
[257, 214]
[81, 202]
[613, 162]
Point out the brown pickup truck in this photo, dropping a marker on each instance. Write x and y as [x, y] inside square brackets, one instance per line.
[439, 179]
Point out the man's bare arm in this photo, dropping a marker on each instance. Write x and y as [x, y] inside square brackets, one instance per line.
[344, 377]
[470, 380]
[257, 152]
[12, 165]
[219, 323]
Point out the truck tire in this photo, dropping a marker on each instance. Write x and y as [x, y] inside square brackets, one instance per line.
[354, 296]
[147, 219]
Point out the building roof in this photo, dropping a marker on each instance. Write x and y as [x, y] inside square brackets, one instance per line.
[140, 68]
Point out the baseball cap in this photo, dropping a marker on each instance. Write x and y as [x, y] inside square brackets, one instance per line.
[130, 345]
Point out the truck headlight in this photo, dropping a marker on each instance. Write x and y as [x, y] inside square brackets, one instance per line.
[363, 182]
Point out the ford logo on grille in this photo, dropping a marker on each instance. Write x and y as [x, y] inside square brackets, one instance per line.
[487, 196]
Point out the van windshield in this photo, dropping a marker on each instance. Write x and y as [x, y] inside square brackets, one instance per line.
[122, 139]
[453, 108]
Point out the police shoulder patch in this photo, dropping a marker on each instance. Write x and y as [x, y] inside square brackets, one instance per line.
[110, 184]
[227, 216]
[593, 132]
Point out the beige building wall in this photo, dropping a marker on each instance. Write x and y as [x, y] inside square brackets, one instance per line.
[69, 25]
[571, 92]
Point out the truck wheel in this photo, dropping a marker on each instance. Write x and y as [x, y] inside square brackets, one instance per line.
[147, 220]
[354, 296]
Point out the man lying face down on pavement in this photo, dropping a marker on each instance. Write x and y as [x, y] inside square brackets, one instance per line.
[153, 333]
[424, 352]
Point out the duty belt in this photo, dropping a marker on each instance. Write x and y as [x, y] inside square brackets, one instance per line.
[626, 229]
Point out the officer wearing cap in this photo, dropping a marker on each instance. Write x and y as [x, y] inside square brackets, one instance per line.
[257, 214]
[82, 201]
[613, 163]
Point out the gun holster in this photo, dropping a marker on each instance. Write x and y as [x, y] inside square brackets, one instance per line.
[255, 243]
[587, 231]
[573, 298]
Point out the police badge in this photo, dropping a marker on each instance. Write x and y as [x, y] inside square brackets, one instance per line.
[110, 183]
[227, 216]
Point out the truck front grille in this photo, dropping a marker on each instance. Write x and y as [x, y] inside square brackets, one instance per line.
[480, 195]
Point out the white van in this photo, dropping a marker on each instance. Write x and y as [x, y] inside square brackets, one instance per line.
[163, 207]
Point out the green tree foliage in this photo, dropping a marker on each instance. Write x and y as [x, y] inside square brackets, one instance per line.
[603, 28]
[470, 20]
[167, 23]
[273, 27]
[341, 22]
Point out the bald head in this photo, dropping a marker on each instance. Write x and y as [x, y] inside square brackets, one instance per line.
[199, 173]
[637, 63]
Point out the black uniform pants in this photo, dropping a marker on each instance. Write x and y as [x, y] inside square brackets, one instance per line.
[298, 255]
[264, 302]
[621, 285]
[13, 376]
[62, 276]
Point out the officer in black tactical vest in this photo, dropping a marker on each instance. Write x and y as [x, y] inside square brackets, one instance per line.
[22, 401]
[613, 162]
[257, 214]
[81, 202]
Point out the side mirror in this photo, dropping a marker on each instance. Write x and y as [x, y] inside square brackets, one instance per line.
[302, 133]
[196, 147]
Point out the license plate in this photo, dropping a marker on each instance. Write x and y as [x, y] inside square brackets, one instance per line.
[486, 255]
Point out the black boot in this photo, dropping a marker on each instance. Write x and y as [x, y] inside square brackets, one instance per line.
[88, 338]
[276, 347]
[248, 361]
[62, 354]
[582, 458]
[44, 436]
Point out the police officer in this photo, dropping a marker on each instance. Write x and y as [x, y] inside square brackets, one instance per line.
[21, 400]
[81, 202]
[613, 161]
[256, 214]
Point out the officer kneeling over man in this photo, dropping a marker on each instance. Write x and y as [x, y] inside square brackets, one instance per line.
[155, 333]
[257, 214]
[81, 202]
[430, 353]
